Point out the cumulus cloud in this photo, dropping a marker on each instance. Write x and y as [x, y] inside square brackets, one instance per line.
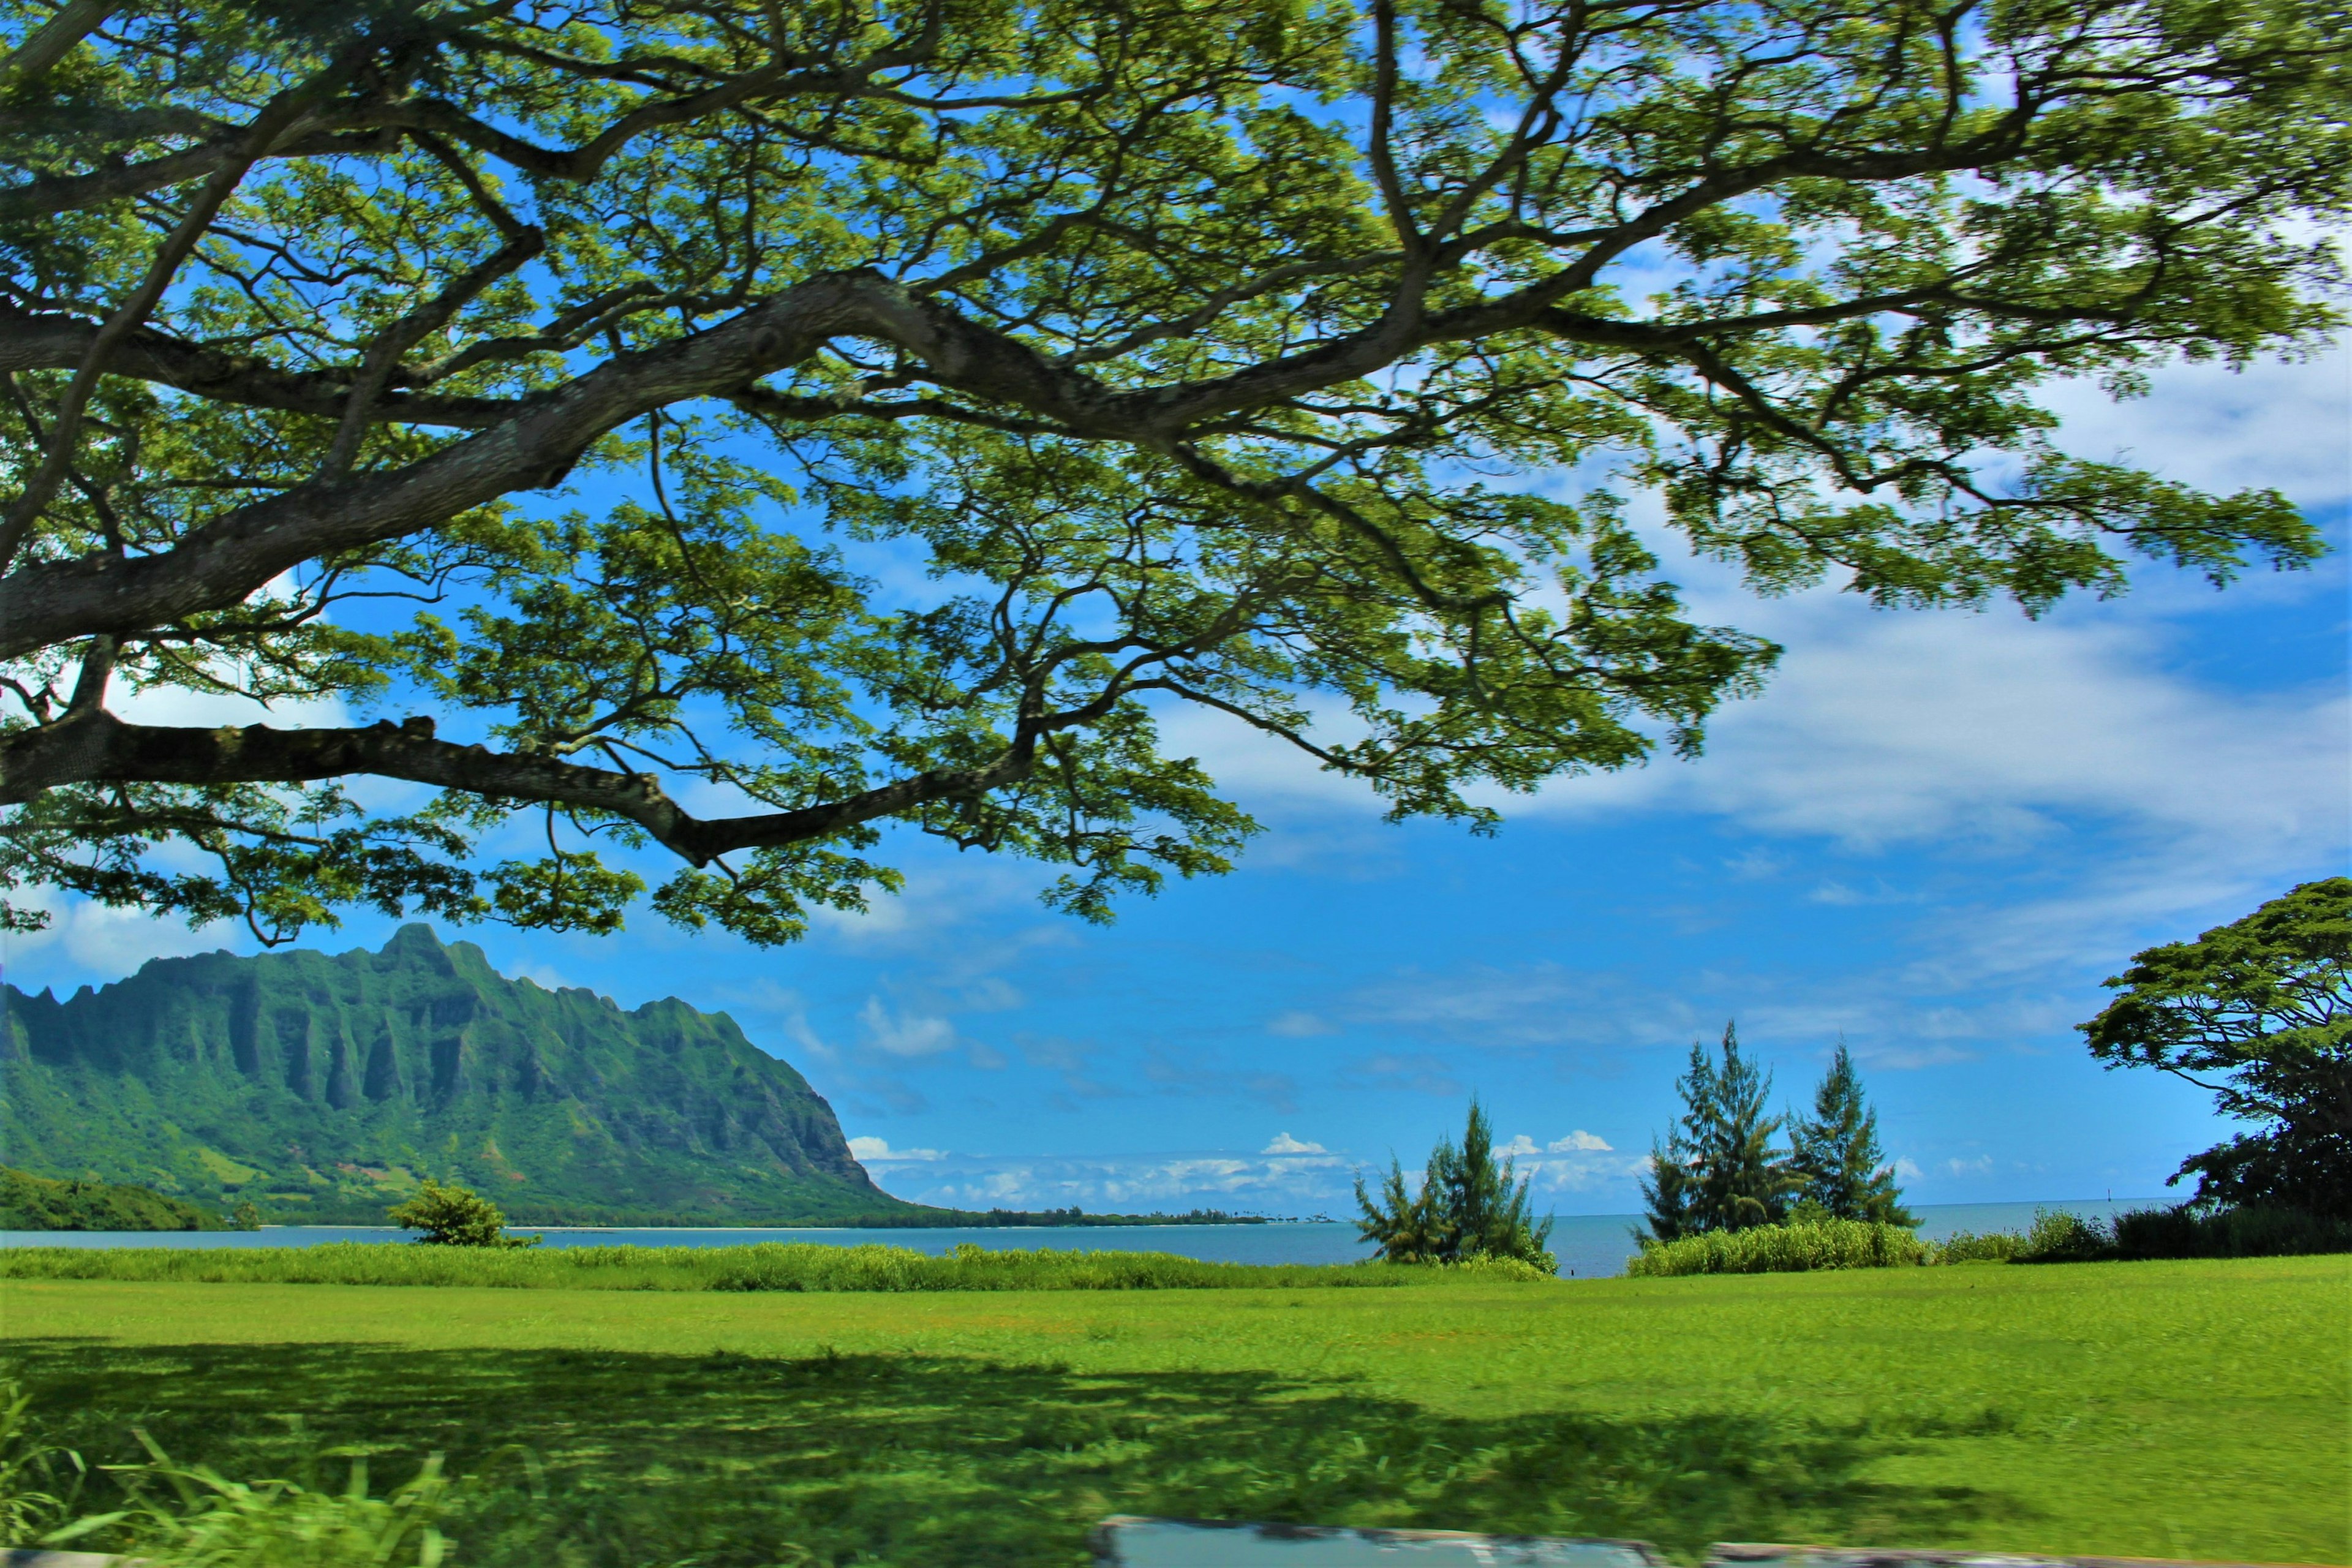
[878, 1151]
[1517, 1147]
[1577, 1142]
[905, 1034]
[1284, 1143]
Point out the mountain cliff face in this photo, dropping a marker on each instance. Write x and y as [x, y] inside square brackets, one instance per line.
[324, 1088]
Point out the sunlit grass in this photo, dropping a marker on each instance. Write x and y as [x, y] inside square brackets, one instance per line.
[2155, 1409]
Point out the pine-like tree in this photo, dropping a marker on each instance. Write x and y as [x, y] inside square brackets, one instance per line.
[1670, 1190]
[1836, 1155]
[1468, 1207]
[1718, 1169]
[1743, 1180]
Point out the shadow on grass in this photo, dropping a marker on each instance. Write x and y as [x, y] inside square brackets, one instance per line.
[626, 1461]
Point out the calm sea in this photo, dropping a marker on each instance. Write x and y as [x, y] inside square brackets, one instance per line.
[1588, 1246]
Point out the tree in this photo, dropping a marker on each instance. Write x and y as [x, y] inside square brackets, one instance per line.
[1670, 1190]
[2258, 1012]
[588, 391]
[1835, 1153]
[456, 1216]
[1718, 1169]
[1468, 1207]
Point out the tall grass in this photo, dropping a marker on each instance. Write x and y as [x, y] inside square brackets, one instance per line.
[2057, 1236]
[763, 1266]
[1783, 1249]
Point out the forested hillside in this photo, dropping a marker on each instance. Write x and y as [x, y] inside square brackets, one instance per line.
[324, 1088]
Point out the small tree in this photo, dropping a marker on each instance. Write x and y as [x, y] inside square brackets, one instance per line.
[1718, 1169]
[1835, 1153]
[1468, 1207]
[456, 1216]
[2258, 1012]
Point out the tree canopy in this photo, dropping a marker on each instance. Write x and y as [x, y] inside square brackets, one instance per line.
[2260, 1012]
[723, 429]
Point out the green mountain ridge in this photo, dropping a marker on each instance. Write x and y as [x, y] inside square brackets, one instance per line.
[324, 1088]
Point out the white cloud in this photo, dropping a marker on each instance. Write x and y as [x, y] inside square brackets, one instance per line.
[1297, 1025]
[1577, 1142]
[905, 1034]
[1136, 1182]
[85, 939]
[1907, 1169]
[1284, 1143]
[872, 1150]
[1517, 1147]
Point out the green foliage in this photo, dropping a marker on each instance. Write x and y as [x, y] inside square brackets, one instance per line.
[1835, 1153]
[34, 1202]
[1468, 1207]
[191, 1516]
[761, 1266]
[1718, 1169]
[1783, 1249]
[2258, 1012]
[2190, 1231]
[2041, 1411]
[1972, 1247]
[38, 1483]
[455, 1216]
[321, 1089]
[1175, 369]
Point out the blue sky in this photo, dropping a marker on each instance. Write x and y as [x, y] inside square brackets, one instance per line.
[1933, 834]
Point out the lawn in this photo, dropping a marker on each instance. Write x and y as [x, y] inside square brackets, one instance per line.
[2194, 1409]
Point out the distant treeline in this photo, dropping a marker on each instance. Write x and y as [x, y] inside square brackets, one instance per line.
[969, 1219]
[36, 1203]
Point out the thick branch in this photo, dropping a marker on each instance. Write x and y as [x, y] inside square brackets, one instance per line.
[58, 341]
[98, 748]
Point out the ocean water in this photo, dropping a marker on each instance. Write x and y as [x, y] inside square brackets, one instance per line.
[1588, 1246]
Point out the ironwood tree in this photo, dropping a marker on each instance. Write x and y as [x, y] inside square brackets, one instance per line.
[1717, 1168]
[680, 437]
[1836, 1155]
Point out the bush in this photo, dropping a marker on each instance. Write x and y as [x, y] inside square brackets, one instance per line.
[1781, 1249]
[1967, 1246]
[456, 1216]
[2187, 1232]
[2059, 1236]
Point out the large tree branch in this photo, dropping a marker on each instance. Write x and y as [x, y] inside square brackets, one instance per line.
[58, 342]
[96, 747]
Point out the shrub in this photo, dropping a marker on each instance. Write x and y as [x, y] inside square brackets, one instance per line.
[2252, 1232]
[456, 1216]
[1967, 1246]
[2059, 1236]
[1781, 1249]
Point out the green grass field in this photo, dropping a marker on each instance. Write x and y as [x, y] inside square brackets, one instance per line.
[2194, 1409]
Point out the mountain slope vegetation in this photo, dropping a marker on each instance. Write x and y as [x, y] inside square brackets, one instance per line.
[324, 1088]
